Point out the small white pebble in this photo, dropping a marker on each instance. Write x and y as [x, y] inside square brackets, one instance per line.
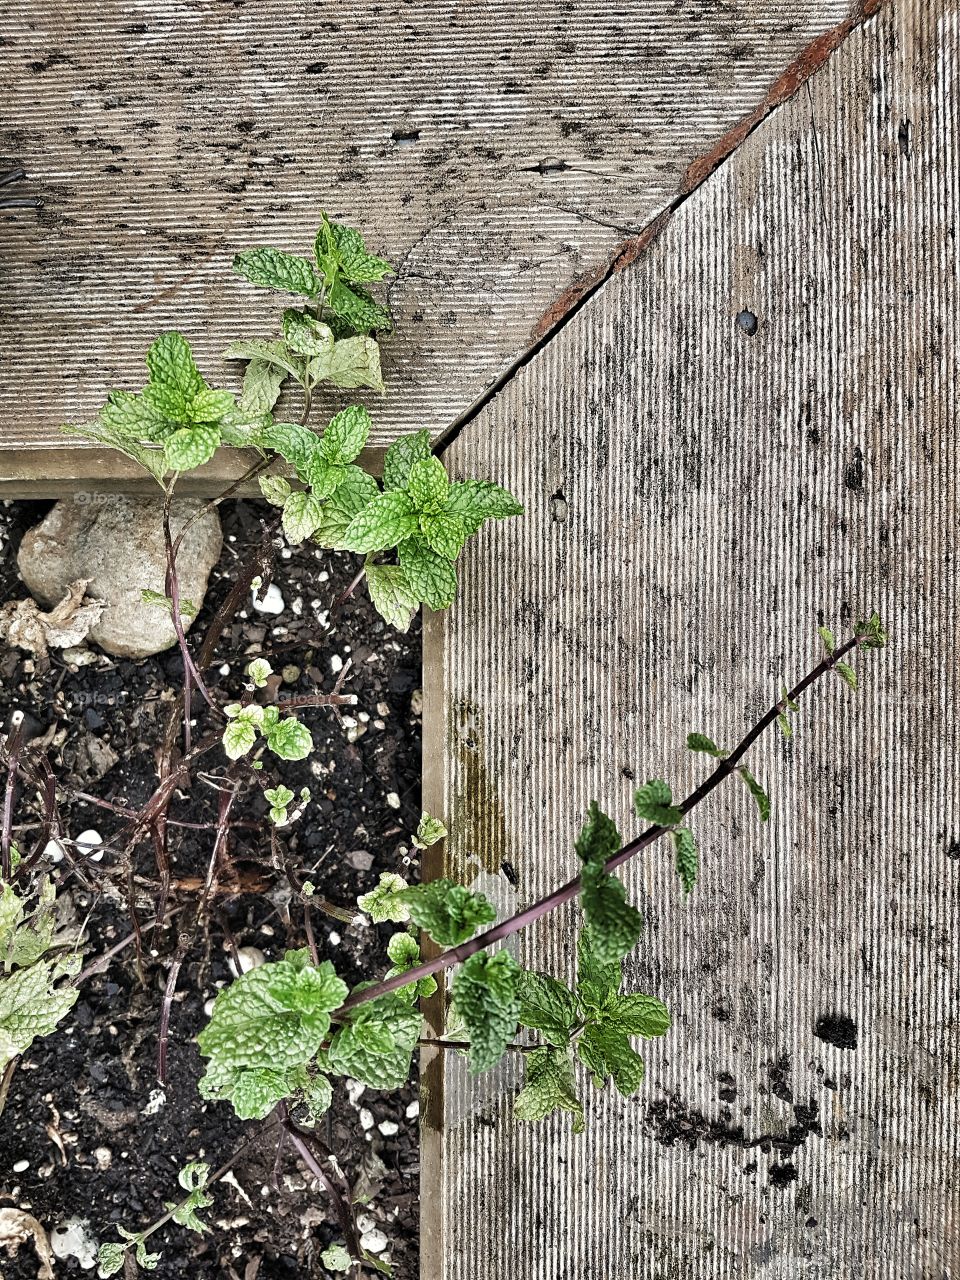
[249, 957]
[53, 850]
[72, 1239]
[103, 1157]
[366, 1119]
[354, 1091]
[388, 1128]
[412, 1111]
[393, 800]
[365, 1222]
[87, 842]
[225, 669]
[336, 663]
[272, 601]
[334, 939]
[373, 1241]
[21, 1166]
[208, 1007]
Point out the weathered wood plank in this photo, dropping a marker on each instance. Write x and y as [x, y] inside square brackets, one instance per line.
[497, 153]
[697, 500]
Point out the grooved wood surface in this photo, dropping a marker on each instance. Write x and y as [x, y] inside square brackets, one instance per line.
[698, 500]
[498, 153]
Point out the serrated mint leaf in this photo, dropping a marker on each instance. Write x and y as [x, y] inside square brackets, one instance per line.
[340, 250]
[239, 737]
[278, 1012]
[686, 857]
[445, 534]
[615, 925]
[391, 595]
[783, 724]
[606, 1051]
[360, 312]
[187, 607]
[599, 839]
[404, 953]
[259, 670]
[429, 831]
[355, 490]
[826, 635]
[477, 500]
[401, 456]
[383, 523]
[169, 403]
[275, 269]
[432, 578]
[451, 913]
[302, 514]
[289, 739]
[317, 1097]
[547, 1005]
[638, 1015]
[190, 447]
[427, 485]
[193, 1179]
[110, 1259]
[171, 363]
[385, 901]
[354, 362]
[336, 1258]
[596, 980]
[700, 742]
[210, 405]
[262, 381]
[376, 1044]
[306, 335]
[486, 992]
[549, 1085]
[273, 352]
[32, 1003]
[323, 477]
[758, 793]
[296, 444]
[871, 633]
[653, 803]
[346, 434]
[848, 674]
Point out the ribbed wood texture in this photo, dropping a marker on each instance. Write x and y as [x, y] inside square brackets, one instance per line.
[496, 152]
[698, 500]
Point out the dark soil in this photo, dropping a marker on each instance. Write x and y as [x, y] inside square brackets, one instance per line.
[101, 1141]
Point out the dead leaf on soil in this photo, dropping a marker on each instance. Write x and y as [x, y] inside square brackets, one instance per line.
[16, 1228]
[25, 625]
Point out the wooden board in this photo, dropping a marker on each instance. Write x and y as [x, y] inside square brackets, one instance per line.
[698, 500]
[497, 153]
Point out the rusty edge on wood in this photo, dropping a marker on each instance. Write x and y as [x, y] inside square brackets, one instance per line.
[88, 473]
[628, 251]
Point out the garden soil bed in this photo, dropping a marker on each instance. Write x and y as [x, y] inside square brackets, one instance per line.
[86, 1132]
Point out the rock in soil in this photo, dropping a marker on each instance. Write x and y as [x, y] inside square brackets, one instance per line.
[116, 544]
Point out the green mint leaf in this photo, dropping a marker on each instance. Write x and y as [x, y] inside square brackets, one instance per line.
[112, 437]
[445, 534]
[317, 1096]
[171, 364]
[787, 700]
[477, 500]
[826, 635]
[431, 577]
[401, 456]
[289, 739]
[306, 335]
[599, 840]
[700, 742]
[323, 477]
[758, 793]
[639, 1015]
[253, 1092]
[354, 362]
[274, 269]
[340, 250]
[110, 1259]
[357, 309]
[32, 1003]
[209, 405]
[615, 925]
[605, 1051]
[274, 352]
[486, 993]
[296, 444]
[686, 857]
[391, 595]
[190, 447]
[346, 434]
[385, 902]
[547, 1005]
[376, 1044]
[169, 403]
[549, 1085]
[871, 634]
[654, 803]
[278, 1012]
[259, 671]
[404, 953]
[451, 913]
[131, 415]
[336, 1258]
[239, 737]
[262, 381]
[596, 980]
[193, 1179]
[848, 674]
[302, 515]
[279, 796]
[427, 485]
[355, 490]
[383, 523]
[187, 607]
[429, 831]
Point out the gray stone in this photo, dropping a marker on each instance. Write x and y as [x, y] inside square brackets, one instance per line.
[116, 544]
